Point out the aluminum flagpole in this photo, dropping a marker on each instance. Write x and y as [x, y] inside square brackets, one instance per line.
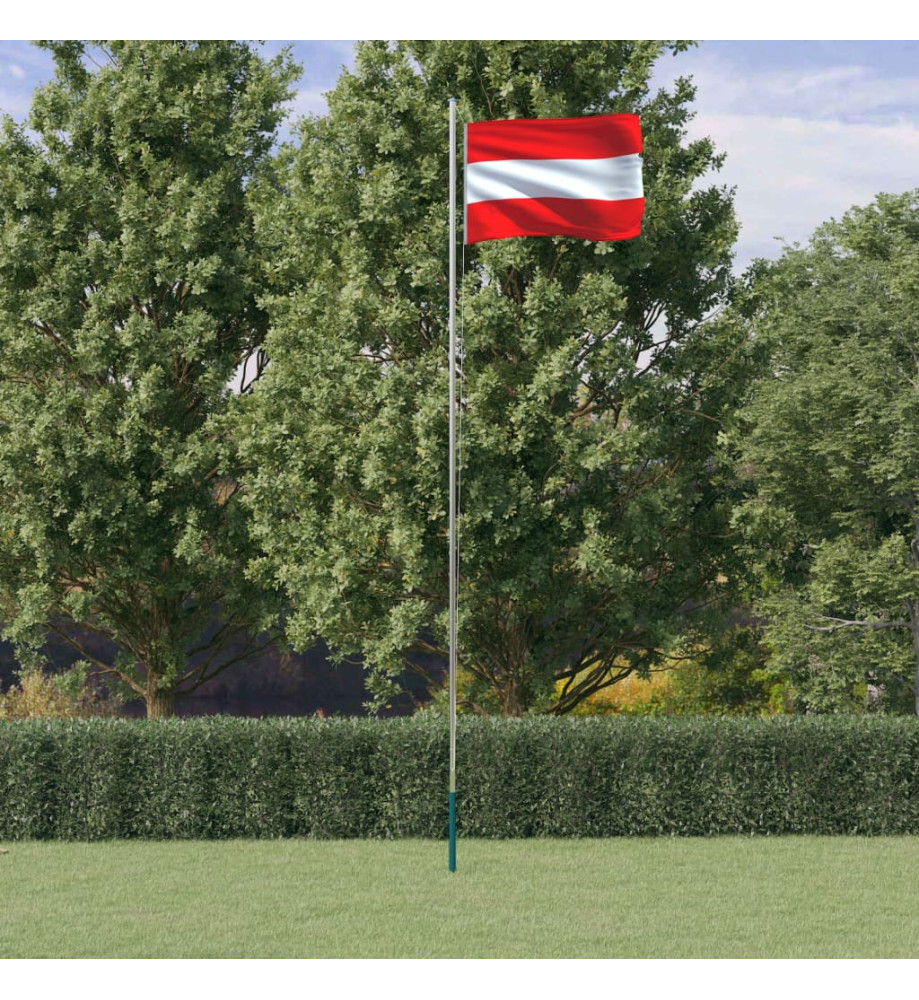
[453, 567]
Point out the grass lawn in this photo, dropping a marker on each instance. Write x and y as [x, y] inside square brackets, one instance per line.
[728, 897]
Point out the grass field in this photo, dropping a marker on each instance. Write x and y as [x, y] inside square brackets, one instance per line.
[729, 897]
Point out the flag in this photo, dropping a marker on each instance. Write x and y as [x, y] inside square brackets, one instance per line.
[554, 177]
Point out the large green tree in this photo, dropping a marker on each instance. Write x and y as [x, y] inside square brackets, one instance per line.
[830, 441]
[128, 299]
[593, 527]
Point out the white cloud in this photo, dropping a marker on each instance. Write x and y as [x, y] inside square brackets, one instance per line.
[15, 70]
[15, 103]
[848, 93]
[792, 174]
[806, 136]
[308, 102]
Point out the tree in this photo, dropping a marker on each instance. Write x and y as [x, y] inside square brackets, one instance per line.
[593, 518]
[128, 287]
[830, 440]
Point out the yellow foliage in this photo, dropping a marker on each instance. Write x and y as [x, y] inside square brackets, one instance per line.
[39, 697]
[737, 685]
[633, 695]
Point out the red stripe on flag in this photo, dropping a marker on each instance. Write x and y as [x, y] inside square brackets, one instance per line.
[587, 219]
[553, 138]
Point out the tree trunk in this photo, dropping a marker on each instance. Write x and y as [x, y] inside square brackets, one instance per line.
[160, 703]
[511, 704]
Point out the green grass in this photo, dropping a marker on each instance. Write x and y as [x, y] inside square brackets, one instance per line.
[791, 897]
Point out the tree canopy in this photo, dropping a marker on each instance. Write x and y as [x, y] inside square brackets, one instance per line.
[830, 441]
[594, 524]
[128, 298]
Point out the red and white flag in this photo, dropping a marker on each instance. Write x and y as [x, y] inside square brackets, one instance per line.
[554, 177]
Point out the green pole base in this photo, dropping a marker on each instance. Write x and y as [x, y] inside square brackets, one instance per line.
[452, 849]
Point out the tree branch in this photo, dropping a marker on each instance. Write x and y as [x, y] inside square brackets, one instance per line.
[849, 623]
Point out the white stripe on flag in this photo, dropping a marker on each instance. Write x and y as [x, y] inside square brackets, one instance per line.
[615, 178]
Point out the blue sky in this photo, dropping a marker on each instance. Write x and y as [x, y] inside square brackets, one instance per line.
[809, 127]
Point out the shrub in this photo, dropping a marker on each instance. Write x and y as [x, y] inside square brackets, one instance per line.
[88, 779]
[733, 677]
[63, 696]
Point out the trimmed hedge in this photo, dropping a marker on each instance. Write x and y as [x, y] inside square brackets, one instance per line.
[90, 779]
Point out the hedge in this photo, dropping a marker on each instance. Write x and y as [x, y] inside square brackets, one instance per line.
[90, 779]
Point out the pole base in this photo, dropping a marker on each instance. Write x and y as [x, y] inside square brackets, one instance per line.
[451, 859]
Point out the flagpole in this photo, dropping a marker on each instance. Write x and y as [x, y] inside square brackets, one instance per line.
[453, 567]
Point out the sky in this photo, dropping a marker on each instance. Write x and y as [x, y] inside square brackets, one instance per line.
[810, 128]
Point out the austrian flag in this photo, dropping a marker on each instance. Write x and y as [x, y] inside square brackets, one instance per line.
[554, 177]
